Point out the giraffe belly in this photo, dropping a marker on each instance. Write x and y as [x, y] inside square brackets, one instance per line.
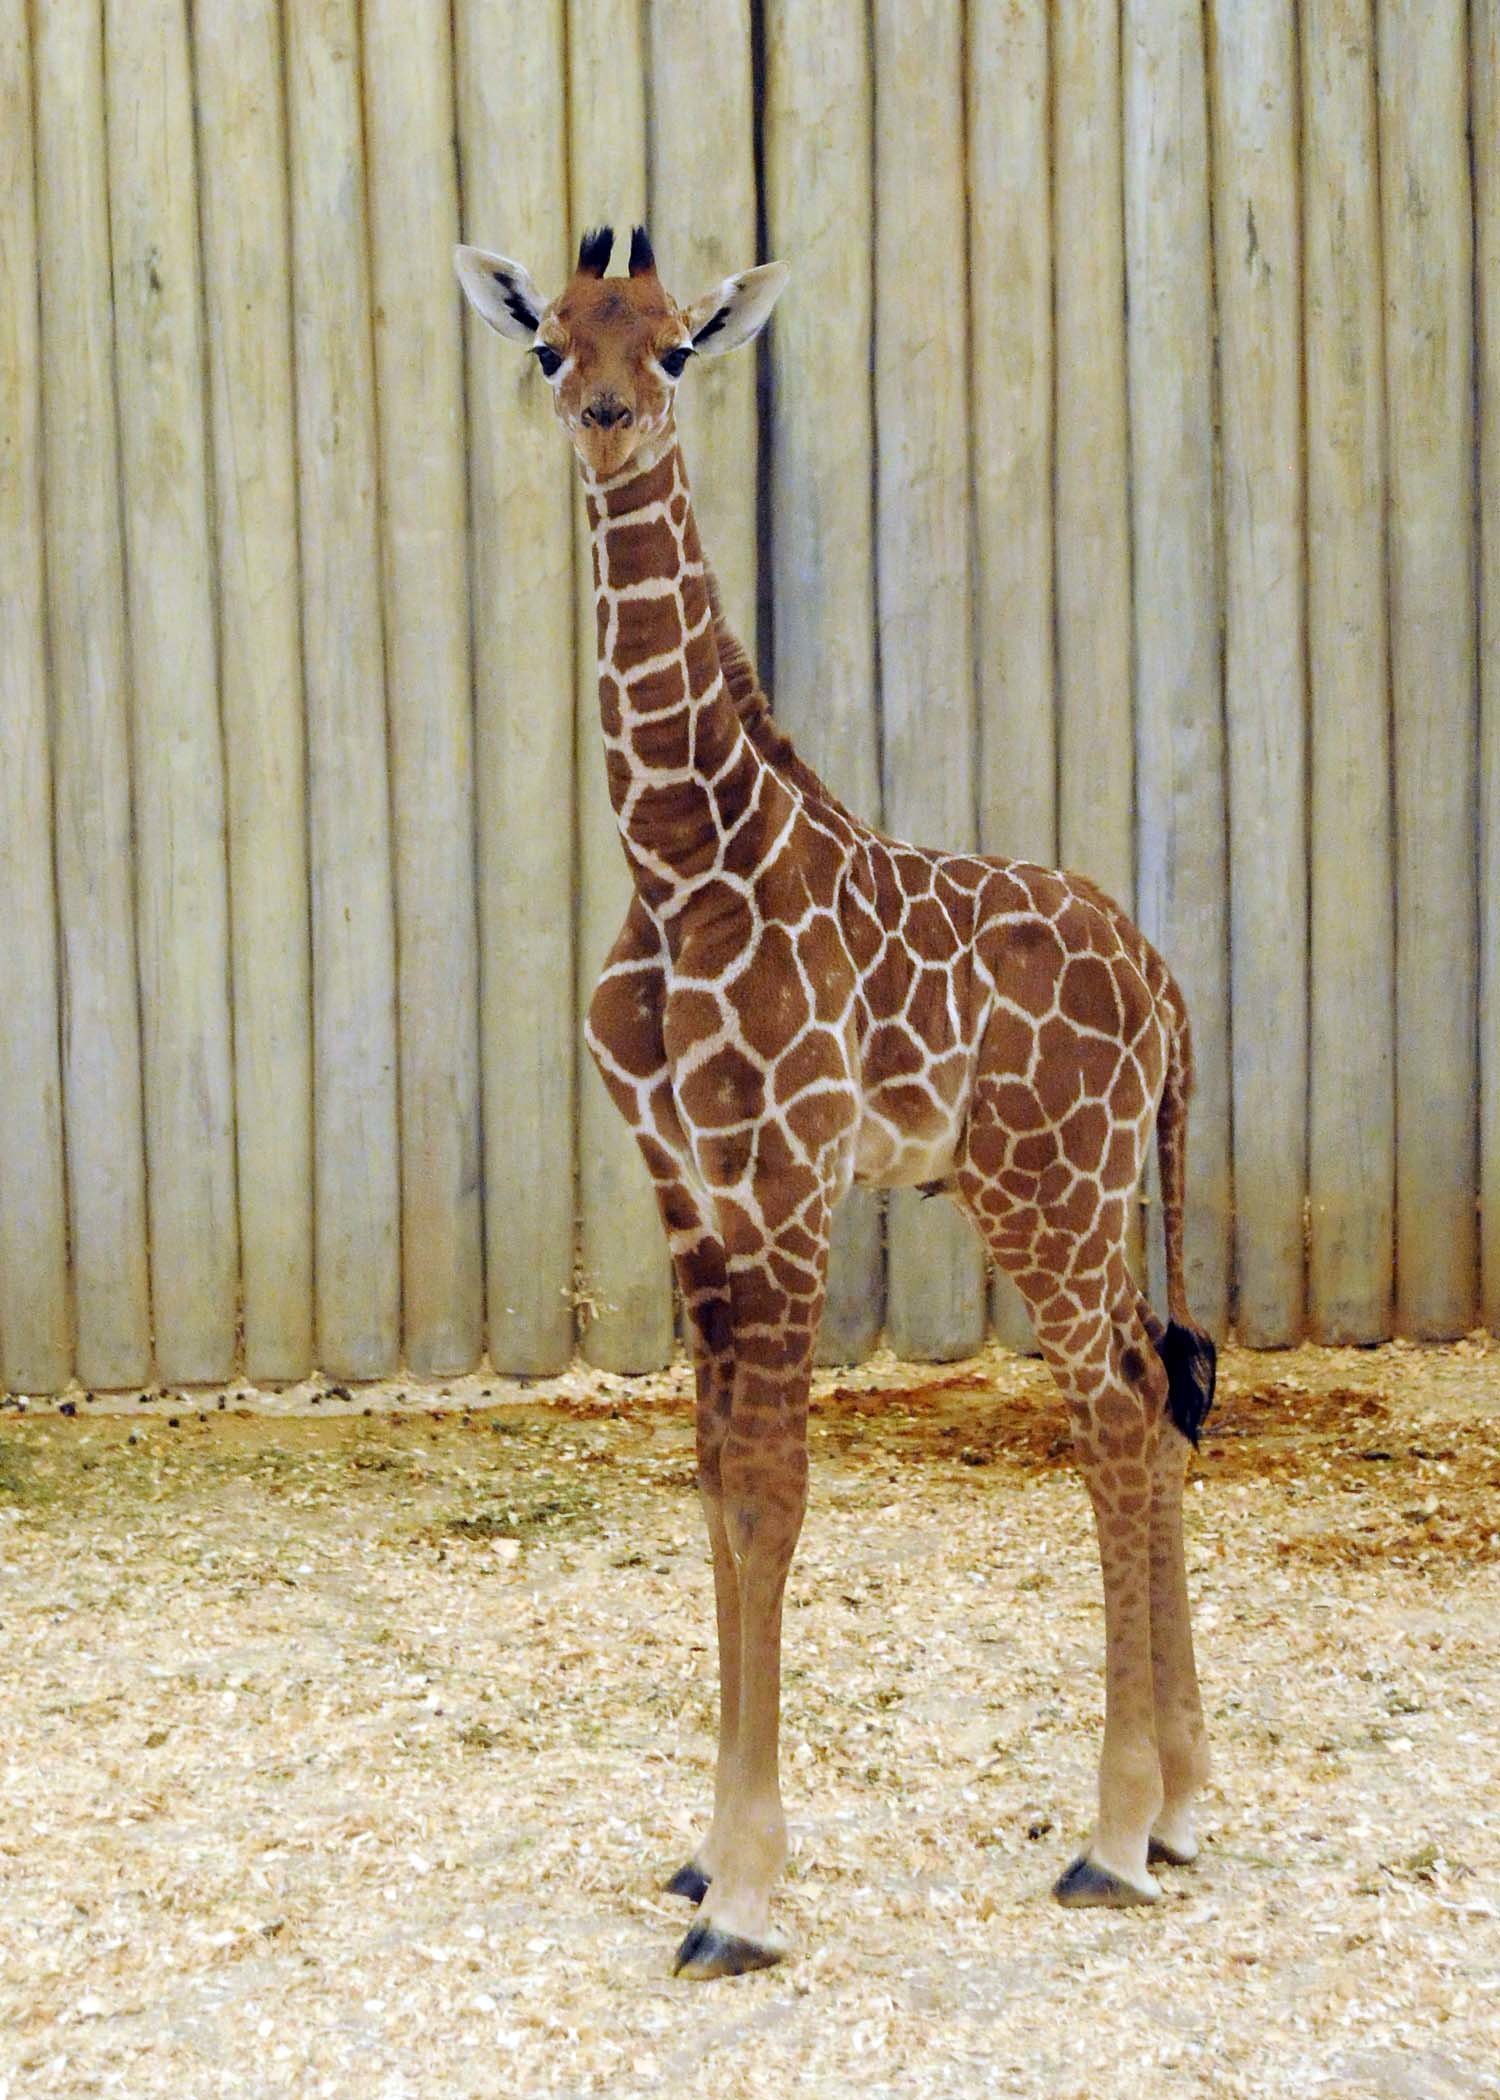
[899, 1145]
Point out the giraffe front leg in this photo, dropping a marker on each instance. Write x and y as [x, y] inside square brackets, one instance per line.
[699, 1262]
[763, 1479]
[625, 1034]
[702, 1279]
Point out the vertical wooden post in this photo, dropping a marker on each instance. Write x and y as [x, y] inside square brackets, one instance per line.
[1010, 416]
[1351, 1079]
[408, 80]
[357, 1220]
[1095, 724]
[819, 187]
[1260, 353]
[511, 84]
[1486, 133]
[177, 749]
[1011, 366]
[702, 146]
[1179, 724]
[631, 1330]
[1425, 208]
[237, 50]
[35, 1343]
[1095, 701]
[90, 700]
[936, 1279]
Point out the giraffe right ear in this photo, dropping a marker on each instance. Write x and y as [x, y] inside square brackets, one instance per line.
[501, 293]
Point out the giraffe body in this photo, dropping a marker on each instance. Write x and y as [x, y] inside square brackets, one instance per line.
[796, 1003]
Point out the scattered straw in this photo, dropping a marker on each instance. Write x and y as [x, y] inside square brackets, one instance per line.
[345, 1754]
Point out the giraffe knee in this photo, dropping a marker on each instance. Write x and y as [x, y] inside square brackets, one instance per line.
[765, 1495]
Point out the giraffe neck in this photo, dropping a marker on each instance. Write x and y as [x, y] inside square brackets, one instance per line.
[683, 776]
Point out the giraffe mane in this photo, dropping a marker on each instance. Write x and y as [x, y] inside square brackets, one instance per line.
[752, 705]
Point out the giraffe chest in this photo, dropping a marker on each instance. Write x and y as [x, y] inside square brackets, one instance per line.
[758, 1027]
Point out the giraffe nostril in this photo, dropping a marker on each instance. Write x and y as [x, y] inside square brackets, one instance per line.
[607, 412]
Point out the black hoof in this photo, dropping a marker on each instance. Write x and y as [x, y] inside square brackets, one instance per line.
[1159, 1854]
[706, 1953]
[1086, 1885]
[689, 1881]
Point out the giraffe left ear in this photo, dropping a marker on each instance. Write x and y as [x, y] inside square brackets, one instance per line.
[736, 311]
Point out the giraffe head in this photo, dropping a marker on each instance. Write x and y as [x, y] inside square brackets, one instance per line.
[613, 349]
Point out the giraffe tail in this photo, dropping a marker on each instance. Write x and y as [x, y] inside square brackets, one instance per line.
[1186, 1351]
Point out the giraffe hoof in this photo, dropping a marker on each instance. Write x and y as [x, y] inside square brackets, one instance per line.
[1087, 1885]
[707, 1952]
[690, 1881]
[1160, 1854]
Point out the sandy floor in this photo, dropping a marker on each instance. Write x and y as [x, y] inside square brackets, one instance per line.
[345, 1754]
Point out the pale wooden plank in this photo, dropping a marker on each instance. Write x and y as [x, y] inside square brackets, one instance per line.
[408, 76]
[1485, 35]
[35, 1339]
[702, 190]
[90, 701]
[511, 82]
[176, 744]
[624, 1283]
[1010, 279]
[1095, 703]
[1095, 718]
[1351, 1079]
[1011, 368]
[237, 55]
[1181, 874]
[1425, 211]
[356, 1156]
[1258, 280]
[923, 539]
[818, 177]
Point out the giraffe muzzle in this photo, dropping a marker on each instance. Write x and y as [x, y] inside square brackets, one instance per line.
[606, 413]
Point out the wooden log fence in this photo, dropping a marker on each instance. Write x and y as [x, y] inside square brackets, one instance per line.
[1351, 1110]
[1119, 482]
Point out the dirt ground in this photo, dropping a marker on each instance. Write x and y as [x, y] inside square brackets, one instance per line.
[344, 1752]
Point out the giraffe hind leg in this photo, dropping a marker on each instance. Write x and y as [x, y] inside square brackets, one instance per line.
[1182, 1739]
[1074, 1274]
[1181, 1736]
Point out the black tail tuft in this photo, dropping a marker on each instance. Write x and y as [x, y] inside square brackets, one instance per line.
[1191, 1360]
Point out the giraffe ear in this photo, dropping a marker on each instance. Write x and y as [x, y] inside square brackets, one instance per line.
[736, 311]
[501, 293]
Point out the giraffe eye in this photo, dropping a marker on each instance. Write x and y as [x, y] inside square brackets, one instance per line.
[672, 361]
[547, 358]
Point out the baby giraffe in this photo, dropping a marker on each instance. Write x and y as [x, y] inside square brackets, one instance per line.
[796, 1003]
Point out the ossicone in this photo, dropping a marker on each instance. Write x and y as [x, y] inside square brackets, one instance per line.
[642, 254]
[594, 251]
